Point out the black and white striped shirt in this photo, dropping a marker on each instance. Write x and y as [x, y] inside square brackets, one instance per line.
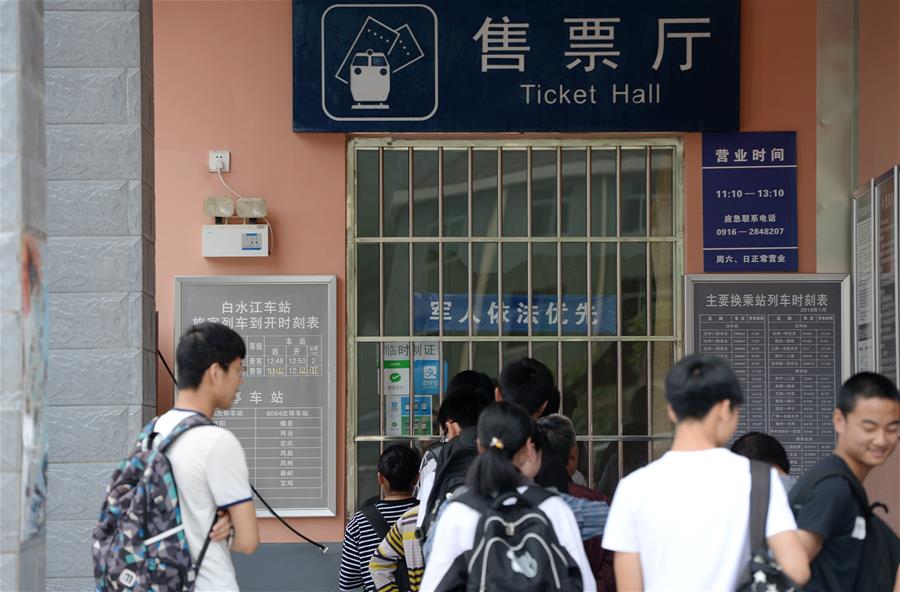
[360, 542]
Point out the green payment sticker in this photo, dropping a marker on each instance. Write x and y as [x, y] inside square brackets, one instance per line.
[396, 377]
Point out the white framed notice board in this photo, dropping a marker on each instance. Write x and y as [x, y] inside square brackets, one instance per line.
[285, 411]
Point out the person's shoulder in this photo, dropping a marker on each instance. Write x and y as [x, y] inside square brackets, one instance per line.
[830, 476]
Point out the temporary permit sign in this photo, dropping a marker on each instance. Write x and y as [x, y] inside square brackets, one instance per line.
[516, 65]
[750, 201]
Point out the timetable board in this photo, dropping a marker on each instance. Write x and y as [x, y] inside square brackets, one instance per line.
[284, 413]
[787, 339]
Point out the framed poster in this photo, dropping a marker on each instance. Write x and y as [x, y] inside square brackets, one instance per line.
[285, 414]
[865, 335]
[787, 337]
[885, 190]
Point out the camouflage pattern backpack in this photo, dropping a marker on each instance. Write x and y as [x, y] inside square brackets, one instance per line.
[139, 541]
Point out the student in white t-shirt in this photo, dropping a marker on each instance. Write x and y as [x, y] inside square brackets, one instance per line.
[681, 522]
[509, 460]
[208, 461]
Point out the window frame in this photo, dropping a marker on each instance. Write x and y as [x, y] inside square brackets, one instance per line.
[676, 239]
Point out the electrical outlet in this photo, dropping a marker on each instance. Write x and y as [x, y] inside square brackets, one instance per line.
[219, 156]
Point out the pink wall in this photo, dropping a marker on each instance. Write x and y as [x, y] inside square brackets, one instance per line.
[223, 81]
[879, 149]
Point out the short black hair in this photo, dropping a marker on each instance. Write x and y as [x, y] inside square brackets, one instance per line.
[203, 345]
[462, 406]
[760, 446]
[527, 383]
[399, 465]
[559, 433]
[478, 383]
[865, 385]
[697, 383]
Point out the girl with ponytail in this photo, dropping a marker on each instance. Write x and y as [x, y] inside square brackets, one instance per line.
[509, 443]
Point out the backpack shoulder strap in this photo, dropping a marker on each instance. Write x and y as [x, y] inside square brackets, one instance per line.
[802, 490]
[760, 477]
[536, 495]
[192, 421]
[379, 524]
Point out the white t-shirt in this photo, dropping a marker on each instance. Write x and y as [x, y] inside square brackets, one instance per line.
[454, 534]
[210, 472]
[426, 483]
[687, 516]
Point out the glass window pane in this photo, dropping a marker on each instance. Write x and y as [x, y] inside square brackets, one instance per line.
[574, 290]
[547, 353]
[606, 467]
[636, 456]
[634, 192]
[515, 192]
[367, 488]
[543, 289]
[485, 355]
[574, 192]
[514, 350]
[662, 191]
[660, 363]
[425, 289]
[604, 391]
[456, 192]
[367, 192]
[659, 448]
[484, 193]
[662, 308]
[603, 291]
[603, 192]
[367, 304]
[425, 192]
[543, 192]
[484, 289]
[634, 388]
[396, 289]
[634, 288]
[515, 286]
[575, 386]
[456, 287]
[456, 358]
[368, 401]
[396, 192]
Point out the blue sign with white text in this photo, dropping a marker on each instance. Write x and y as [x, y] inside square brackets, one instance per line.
[516, 65]
[750, 202]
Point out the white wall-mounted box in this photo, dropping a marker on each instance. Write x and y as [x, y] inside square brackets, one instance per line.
[235, 240]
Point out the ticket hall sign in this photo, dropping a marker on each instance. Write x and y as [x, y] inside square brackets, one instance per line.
[516, 65]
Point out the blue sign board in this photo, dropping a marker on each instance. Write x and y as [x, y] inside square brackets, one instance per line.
[516, 65]
[514, 315]
[750, 201]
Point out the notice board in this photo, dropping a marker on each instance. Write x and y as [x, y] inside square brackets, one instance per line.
[284, 414]
[787, 338]
[865, 261]
[888, 341]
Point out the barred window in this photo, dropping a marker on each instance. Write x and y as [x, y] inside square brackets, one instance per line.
[470, 254]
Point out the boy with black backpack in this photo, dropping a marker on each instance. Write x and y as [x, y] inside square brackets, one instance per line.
[850, 547]
[398, 471]
[158, 528]
[505, 533]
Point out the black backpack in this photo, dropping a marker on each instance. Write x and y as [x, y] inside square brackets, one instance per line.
[453, 464]
[381, 528]
[515, 548]
[881, 547]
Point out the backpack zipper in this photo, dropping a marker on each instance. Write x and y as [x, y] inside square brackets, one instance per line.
[483, 583]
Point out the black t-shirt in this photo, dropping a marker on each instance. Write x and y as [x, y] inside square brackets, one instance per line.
[832, 512]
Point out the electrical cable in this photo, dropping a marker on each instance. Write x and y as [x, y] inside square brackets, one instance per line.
[261, 498]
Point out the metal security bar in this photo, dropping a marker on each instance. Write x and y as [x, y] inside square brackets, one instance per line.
[641, 193]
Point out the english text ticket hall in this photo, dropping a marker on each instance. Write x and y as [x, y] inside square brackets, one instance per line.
[605, 188]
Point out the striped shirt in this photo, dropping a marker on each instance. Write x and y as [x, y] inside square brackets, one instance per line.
[401, 543]
[360, 542]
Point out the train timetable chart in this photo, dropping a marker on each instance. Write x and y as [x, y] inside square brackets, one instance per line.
[284, 413]
[784, 336]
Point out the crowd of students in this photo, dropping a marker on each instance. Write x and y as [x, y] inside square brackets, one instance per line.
[499, 504]
[683, 522]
